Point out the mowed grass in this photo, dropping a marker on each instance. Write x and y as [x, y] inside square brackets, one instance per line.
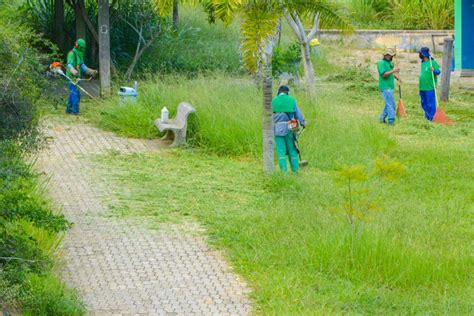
[288, 235]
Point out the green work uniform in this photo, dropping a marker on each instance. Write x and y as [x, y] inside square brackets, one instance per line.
[75, 58]
[284, 107]
[385, 82]
[426, 75]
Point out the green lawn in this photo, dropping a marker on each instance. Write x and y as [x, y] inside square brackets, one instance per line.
[409, 249]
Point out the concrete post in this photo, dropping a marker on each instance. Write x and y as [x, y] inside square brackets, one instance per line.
[446, 68]
[104, 47]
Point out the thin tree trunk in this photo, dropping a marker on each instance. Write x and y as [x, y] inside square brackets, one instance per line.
[268, 133]
[94, 52]
[59, 24]
[298, 29]
[309, 76]
[175, 14]
[104, 47]
[80, 22]
[138, 54]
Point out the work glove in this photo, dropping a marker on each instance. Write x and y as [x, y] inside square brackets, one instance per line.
[74, 72]
[93, 72]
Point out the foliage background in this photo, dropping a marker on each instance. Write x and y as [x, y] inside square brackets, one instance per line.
[30, 231]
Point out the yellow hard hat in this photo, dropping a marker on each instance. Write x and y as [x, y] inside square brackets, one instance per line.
[314, 42]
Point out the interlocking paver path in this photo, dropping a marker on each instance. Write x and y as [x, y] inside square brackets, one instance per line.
[118, 265]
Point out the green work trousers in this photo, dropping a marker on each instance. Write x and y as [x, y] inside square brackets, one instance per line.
[286, 145]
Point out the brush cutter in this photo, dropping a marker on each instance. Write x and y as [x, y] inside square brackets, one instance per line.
[56, 68]
[401, 106]
[302, 163]
[440, 117]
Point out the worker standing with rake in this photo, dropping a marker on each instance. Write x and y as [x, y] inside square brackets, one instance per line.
[429, 73]
[76, 67]
[387, 71]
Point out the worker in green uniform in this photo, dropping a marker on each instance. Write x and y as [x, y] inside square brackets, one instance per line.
[387, 74]
[429, 73]
[76, 68]
[285, 112]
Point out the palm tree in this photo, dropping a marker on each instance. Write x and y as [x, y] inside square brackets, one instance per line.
[258, 38]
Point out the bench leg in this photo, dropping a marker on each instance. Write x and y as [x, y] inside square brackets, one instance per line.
[169, 136]
[179, 138]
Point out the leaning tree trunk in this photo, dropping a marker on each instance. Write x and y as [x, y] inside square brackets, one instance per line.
[59, 24]
[175, 14]
[309, 76]
[268, 133]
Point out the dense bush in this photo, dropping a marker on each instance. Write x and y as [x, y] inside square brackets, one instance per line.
[29, 230]
[28, 241]
[196, 46]
[21, 77]
[286, 60]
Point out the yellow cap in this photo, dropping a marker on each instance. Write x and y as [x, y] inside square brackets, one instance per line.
[390, 51]
[314, 42]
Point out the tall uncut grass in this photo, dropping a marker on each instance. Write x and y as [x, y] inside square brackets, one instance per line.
[402, 14]
[229, 116]
[420, 14]
[287, 235]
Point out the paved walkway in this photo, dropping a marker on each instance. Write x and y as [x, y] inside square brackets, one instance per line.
[119, 266]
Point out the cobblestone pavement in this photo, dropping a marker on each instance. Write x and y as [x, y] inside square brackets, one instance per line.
[119, 266]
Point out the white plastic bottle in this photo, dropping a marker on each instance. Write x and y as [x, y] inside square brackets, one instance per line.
[164, 115]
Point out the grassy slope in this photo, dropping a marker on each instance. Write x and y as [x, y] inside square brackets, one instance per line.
[286, 235]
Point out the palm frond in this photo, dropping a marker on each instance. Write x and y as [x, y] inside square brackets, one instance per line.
[257, 28]
[162, 7]
[225, 9]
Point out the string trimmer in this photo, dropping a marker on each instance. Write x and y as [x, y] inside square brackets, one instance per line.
[56, 68]
[302, 163]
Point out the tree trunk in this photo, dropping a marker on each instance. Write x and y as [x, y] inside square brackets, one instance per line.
[59, 24]
[446, 76]
[80, 22]
[175, 14]
[94, 49]
[309, 76]
[104, 47]
[298, 29]
[268, 133]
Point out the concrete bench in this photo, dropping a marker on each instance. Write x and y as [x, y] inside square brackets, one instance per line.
[176, 128]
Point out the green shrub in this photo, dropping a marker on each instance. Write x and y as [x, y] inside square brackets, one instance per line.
[29, 237]
[19, 195]
[286, 60]
[45, 295]
[21, 77]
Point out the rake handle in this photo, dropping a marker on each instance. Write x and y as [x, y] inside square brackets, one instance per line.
[434, 82]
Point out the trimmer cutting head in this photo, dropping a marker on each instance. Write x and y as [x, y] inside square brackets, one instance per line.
[303, 163]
